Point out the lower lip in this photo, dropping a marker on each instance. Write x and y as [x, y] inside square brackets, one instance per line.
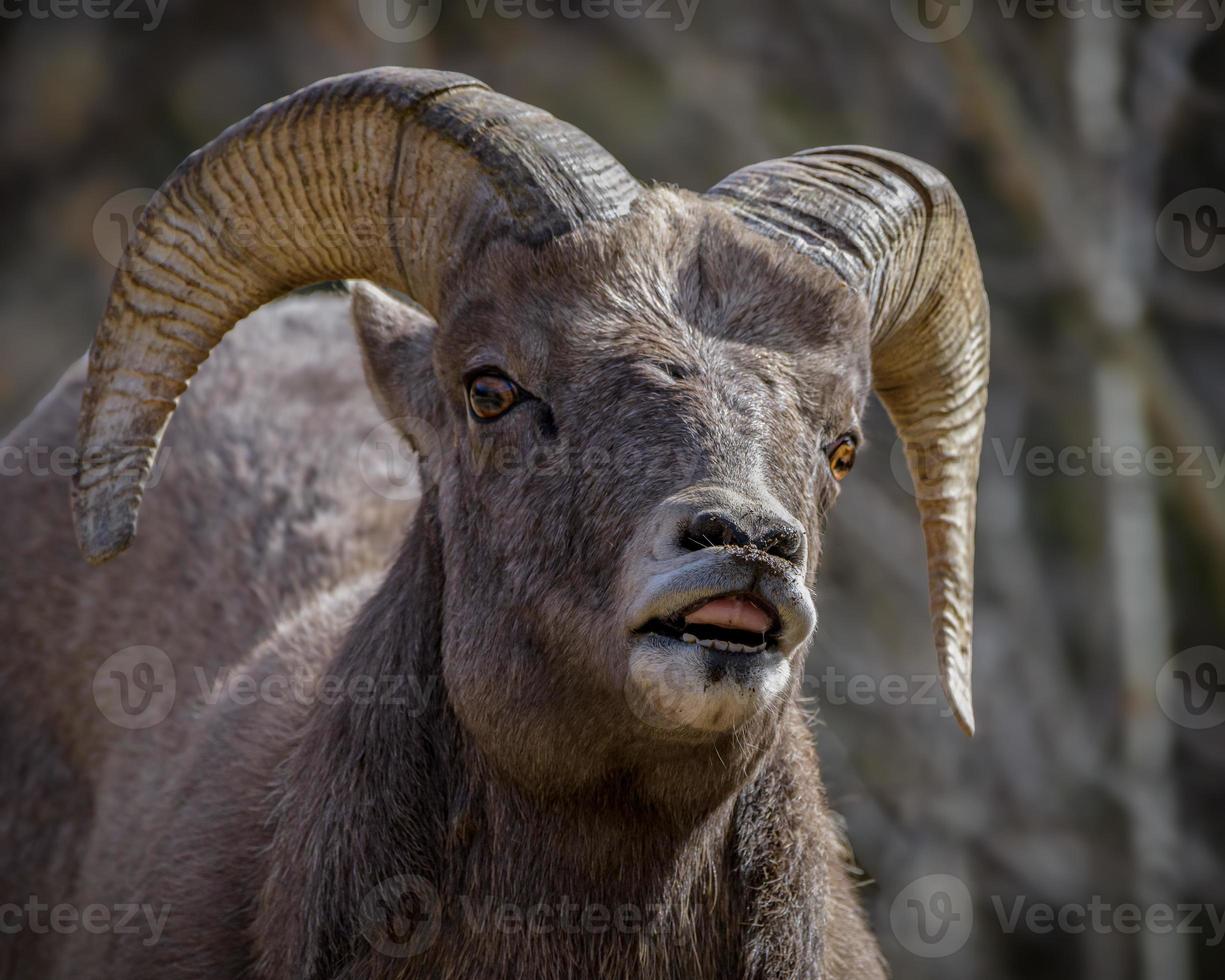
[769, 649]
[721, 666]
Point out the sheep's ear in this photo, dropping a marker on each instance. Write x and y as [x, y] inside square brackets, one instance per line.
[397, 341]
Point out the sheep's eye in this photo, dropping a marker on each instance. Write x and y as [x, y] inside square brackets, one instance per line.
[842, 457]
[491, 395]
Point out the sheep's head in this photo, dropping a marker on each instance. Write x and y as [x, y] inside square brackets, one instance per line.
[634, 431]
[635, 405]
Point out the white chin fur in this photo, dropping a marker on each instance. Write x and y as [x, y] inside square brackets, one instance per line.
[670, 686]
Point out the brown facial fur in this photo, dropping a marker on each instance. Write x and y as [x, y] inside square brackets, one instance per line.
[670, 348]
[772, 358]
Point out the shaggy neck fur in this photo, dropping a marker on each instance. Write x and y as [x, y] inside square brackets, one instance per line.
[481, 872]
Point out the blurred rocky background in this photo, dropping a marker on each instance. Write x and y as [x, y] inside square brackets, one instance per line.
[1080, 834]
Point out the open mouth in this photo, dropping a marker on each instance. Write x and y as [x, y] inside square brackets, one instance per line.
[730, 623]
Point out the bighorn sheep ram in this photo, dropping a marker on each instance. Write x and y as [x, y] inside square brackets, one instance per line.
[632, 406]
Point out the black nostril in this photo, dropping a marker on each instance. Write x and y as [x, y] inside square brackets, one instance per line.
[717, 528]
[784, 541]
[713, 529]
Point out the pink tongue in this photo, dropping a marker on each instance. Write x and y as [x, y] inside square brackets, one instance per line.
[732, 613]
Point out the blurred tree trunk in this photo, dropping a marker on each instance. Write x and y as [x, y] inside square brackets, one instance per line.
[1120, 194]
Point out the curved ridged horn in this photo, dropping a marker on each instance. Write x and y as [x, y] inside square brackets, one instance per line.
[894, 229]
[394, 175]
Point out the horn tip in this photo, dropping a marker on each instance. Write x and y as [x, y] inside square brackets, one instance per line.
[104, 528]
[960, 703]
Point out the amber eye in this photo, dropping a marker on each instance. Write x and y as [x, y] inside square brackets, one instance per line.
[491, 395]
[842, 457]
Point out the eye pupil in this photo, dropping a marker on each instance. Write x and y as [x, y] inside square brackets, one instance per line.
[491, 395]
[842, 457]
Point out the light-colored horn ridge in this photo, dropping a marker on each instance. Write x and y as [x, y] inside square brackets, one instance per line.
[394, 175]
[894, 229]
